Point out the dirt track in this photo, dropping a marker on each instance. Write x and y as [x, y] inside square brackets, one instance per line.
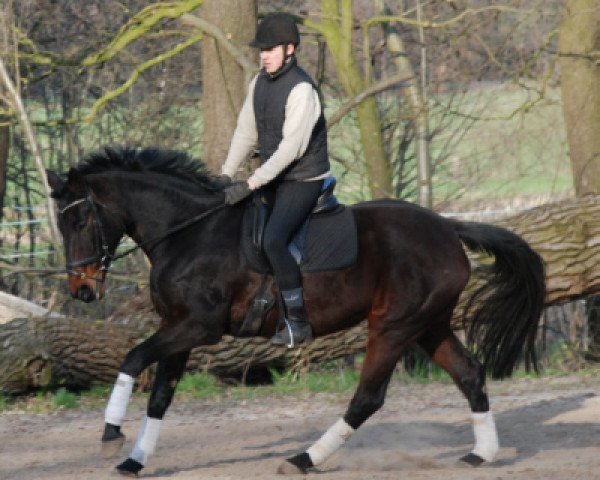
[548, 428]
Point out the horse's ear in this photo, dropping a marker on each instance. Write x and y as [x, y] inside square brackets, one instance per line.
[56, 183]
[76, 181]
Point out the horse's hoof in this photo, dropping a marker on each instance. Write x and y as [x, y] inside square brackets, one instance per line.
[112, 440]
[472, 459]
[287, 468]
[129, 468]
[111, 448]
[298, 464]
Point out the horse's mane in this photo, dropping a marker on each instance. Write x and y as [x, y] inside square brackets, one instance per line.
[173, 163]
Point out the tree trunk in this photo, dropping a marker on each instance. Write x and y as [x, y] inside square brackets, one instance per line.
[336, 27]
[416, 100]
[567, 236]
[76, 351]
[79, 352]
[578, 47]
[4, 151]
[223, 79]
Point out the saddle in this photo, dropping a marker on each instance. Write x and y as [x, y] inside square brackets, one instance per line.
[327, 240]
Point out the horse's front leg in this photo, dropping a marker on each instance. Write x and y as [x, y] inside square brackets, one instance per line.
[135, 362]
[168, 375]
[158, 346]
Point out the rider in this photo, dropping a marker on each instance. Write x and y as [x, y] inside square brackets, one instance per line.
[283, 117]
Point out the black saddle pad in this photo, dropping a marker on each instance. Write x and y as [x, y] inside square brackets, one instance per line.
[331, 242]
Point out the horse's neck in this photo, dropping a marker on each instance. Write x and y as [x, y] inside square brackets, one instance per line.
[210, 226]
[148, 210]
[164, 215]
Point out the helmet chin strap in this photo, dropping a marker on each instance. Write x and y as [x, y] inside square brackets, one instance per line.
[286, 58]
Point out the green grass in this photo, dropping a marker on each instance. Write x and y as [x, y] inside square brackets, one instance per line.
[424, 372]
[331, 377]
[315, 382]
[192, 387]
[507, 152]
[511, 152]
[64, 399]
[42, 401]
[204, 385]
[199, 385]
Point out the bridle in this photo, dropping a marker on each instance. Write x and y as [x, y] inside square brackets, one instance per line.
[104, 256]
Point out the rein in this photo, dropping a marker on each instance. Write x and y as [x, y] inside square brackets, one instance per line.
[171, 231]
[105, 257]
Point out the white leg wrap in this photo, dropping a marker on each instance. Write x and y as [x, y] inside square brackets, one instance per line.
[119, 398]
[331, 440]
[486, 437]
[146, 440]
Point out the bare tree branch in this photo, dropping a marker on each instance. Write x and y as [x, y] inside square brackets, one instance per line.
[139, 24]
[136, 74]
[368, 92]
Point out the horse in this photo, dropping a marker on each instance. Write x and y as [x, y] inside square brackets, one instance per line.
[406, 281]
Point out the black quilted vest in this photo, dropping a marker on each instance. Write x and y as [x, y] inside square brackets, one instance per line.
[270, 98]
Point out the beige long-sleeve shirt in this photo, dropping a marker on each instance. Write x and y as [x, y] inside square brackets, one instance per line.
[302, 111]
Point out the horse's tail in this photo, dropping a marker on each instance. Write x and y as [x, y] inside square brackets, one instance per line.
[501, 317]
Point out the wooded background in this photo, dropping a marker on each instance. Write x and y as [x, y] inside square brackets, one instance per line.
[411, 90]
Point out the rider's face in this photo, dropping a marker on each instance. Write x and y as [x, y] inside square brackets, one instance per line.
[272, 59]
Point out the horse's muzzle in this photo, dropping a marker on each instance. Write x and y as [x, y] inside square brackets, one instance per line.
[86, 283]
[85, 293]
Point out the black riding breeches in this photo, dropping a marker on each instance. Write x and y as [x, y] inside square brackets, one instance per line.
[292, 205]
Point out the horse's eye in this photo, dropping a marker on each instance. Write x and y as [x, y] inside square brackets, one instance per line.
[81, 224]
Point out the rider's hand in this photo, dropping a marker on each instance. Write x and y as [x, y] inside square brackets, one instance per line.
[236, 192]
[222, 181]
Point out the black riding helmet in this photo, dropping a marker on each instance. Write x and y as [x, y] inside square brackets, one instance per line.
[276, 29]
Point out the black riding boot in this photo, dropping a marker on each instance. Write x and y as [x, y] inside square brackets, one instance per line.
[297, 329]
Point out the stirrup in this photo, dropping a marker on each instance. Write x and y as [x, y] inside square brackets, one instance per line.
[292, 334]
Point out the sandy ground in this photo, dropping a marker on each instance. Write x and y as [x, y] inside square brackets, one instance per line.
[548, 428]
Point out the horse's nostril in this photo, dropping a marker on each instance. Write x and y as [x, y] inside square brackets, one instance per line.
[86, 294]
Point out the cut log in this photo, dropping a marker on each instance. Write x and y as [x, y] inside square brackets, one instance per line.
[78, 352]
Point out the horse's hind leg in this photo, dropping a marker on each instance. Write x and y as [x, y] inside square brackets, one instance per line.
[168, 374]
[469, 375]
[378, 366]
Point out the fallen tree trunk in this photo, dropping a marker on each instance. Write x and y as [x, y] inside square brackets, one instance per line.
[80, 352]
[567, 236]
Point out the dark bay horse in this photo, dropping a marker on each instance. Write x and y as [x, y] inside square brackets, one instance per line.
[410, 271]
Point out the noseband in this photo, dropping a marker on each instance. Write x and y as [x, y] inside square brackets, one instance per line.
[104, 257]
